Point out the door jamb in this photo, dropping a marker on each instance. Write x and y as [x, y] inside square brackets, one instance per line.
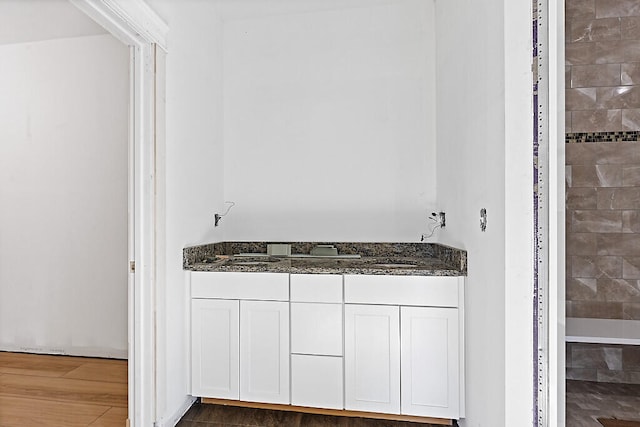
[136, 25]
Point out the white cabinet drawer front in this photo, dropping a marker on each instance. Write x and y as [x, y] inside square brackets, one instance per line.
[432, 291]
[214, 348]
[316, 381]
[316, 288]
[316, 329]
[230, 285]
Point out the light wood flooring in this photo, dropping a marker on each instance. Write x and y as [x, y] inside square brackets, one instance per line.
[61, 391]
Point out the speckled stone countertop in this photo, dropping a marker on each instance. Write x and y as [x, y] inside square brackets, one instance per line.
[397, 259]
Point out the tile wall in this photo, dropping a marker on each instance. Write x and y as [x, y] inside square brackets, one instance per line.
[603, 363]
[602, 65]
[603, 179]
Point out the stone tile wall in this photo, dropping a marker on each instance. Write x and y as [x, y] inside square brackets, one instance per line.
[603, 230]
[602, 77]
[603, 363]
[602, 65]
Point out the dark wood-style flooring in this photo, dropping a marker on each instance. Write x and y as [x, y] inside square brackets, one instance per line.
[61, 391]
[587, 401]
[208, 415]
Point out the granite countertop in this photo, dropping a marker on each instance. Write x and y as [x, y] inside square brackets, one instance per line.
[398, 259]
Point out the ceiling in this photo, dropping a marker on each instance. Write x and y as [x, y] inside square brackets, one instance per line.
[24, 21]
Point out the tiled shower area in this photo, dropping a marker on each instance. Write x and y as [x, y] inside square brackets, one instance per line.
[603, 199]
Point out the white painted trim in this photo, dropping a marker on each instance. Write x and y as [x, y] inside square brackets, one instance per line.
[127, 20]
[603, 331]
[173, 419]
[556, 230]
[105, 353]
[136, 25]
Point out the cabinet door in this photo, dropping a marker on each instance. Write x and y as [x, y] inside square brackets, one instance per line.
[430, 364]
[214, 348]
[316, 381]
[264, 351]
[372, 358]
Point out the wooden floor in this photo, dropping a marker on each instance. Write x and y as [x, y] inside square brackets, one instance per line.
[60, 391]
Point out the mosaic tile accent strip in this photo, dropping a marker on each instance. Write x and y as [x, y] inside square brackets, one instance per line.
[585, 137]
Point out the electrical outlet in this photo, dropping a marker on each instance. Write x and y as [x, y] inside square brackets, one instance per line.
[441, 219]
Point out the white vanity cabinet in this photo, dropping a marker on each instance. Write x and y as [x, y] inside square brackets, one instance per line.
[240, 336]
[366, 343]
[402, 345]
[316, 341]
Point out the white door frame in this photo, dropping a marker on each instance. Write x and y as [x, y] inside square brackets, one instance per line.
[136, 25]
[552, 182]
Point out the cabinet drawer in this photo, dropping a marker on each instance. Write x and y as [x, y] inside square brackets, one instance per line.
[316, 329]
[432, 291]
[316, 288]
[316, 381]
[231, 285]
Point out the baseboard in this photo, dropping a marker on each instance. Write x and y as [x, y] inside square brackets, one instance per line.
[172, 420]
[104, 353]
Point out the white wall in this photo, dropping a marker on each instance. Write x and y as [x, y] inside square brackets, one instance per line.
[194, 164]
[329, 122]
[63, 196]
[483, 156]
[485, 161]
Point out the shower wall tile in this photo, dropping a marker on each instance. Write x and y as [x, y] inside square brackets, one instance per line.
[581, 154]
[581, 54]
[581, 198]
[631, 176]
[618, 290]
[581, 243]
[618, 244]
[595, 30]
[609, 266]
[631, 119]
[594, 309]
[602, 102]
[629, 73]
[609, 8]
[631, 267]
[596, 176]
[631, 221]
[618, 97]
[580, 9]
[580, 99]
[596, 120]
[619, 153]
[582, 289]
[630, 27]
[584, 76]
[626, 377]
[598, 221]
[619, 198]
[631, 357]
[614, 51]
[631, 310]
[583, 266]
[582, 374]
[603, 362]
